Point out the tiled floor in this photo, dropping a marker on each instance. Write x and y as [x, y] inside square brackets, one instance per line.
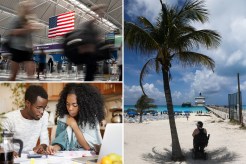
[57, 77]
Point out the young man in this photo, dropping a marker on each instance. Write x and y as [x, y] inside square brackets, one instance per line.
[30, 123]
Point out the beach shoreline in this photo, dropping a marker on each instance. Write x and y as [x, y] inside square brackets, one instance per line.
[150, 141]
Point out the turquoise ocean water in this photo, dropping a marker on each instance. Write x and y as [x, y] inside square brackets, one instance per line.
[176, 108]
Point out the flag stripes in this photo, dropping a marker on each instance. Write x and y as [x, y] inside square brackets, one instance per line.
[61, 24]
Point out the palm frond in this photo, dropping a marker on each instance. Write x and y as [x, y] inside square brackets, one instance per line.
[148, 26]
[139, 39]
[144, 102]
[208, 38]
[148, 66]
[192, 11]
[189, 58]
[157, 66]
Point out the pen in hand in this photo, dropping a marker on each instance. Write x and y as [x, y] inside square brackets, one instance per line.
[41, 150]
[46, 154]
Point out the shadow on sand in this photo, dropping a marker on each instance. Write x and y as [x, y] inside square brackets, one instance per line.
[215, 156]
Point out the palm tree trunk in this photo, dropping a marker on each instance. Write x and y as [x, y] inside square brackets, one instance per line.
[176, 150]
[141, 114]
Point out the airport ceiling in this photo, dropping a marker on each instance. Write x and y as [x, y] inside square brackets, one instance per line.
[44, 9]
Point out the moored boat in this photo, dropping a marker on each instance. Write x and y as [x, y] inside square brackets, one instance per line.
[186, 104]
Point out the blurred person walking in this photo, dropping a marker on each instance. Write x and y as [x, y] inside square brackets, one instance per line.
[94, 37]
[84, 45]
[50, 64]
[1, 58]
[41, 63]
[20, 40]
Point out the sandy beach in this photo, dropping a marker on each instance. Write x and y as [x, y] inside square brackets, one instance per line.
[150, 142]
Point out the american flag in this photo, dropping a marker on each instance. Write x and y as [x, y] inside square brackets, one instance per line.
[61, 24]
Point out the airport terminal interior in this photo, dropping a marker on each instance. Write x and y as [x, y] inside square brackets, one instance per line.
[57, 66]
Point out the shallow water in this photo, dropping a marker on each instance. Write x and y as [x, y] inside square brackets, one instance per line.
[177, 108]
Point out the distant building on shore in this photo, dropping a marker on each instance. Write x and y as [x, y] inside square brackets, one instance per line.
[200, 100]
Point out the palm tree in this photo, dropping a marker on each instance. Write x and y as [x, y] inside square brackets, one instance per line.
[172, 39]
[144, 102]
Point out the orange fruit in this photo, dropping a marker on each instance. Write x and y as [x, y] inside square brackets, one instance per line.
[114, 157]
[106, 160]
[117, 162]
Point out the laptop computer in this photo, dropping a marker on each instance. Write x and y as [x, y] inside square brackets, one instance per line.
[112, 143]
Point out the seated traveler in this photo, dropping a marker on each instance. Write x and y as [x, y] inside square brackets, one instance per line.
[200, 139]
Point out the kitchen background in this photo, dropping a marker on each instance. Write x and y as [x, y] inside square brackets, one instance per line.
[12, 98]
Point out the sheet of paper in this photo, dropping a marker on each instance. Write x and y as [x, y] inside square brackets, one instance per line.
[62, 157]
[72, 154]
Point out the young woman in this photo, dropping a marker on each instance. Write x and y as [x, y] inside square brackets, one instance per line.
[79, 111]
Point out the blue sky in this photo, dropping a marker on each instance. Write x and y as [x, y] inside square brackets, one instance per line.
[228, 18]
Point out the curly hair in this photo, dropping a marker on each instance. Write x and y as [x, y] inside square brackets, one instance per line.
[89, 100]
[33, 91]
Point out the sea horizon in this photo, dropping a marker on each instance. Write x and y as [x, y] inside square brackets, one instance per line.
[161, 108]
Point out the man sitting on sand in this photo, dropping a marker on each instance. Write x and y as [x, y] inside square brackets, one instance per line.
[200, 139]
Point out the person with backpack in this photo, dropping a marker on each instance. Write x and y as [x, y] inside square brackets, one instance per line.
[20, 40]
[85, 45]
[41, 63]
[200, 139]
[50, 64]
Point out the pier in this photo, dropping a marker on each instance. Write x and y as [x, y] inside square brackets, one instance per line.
[223, 112]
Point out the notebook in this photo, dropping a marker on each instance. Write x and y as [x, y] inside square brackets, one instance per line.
[112, 143]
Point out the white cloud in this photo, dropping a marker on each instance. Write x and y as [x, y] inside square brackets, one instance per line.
[134, 92]
[207, 82]
[238, 27]
[229, 20]
[234, 58]
[130, 71]
[159, 82]
[176, 95]
[188, 77]
[152, 91]
[147, 8]
[243, 86]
